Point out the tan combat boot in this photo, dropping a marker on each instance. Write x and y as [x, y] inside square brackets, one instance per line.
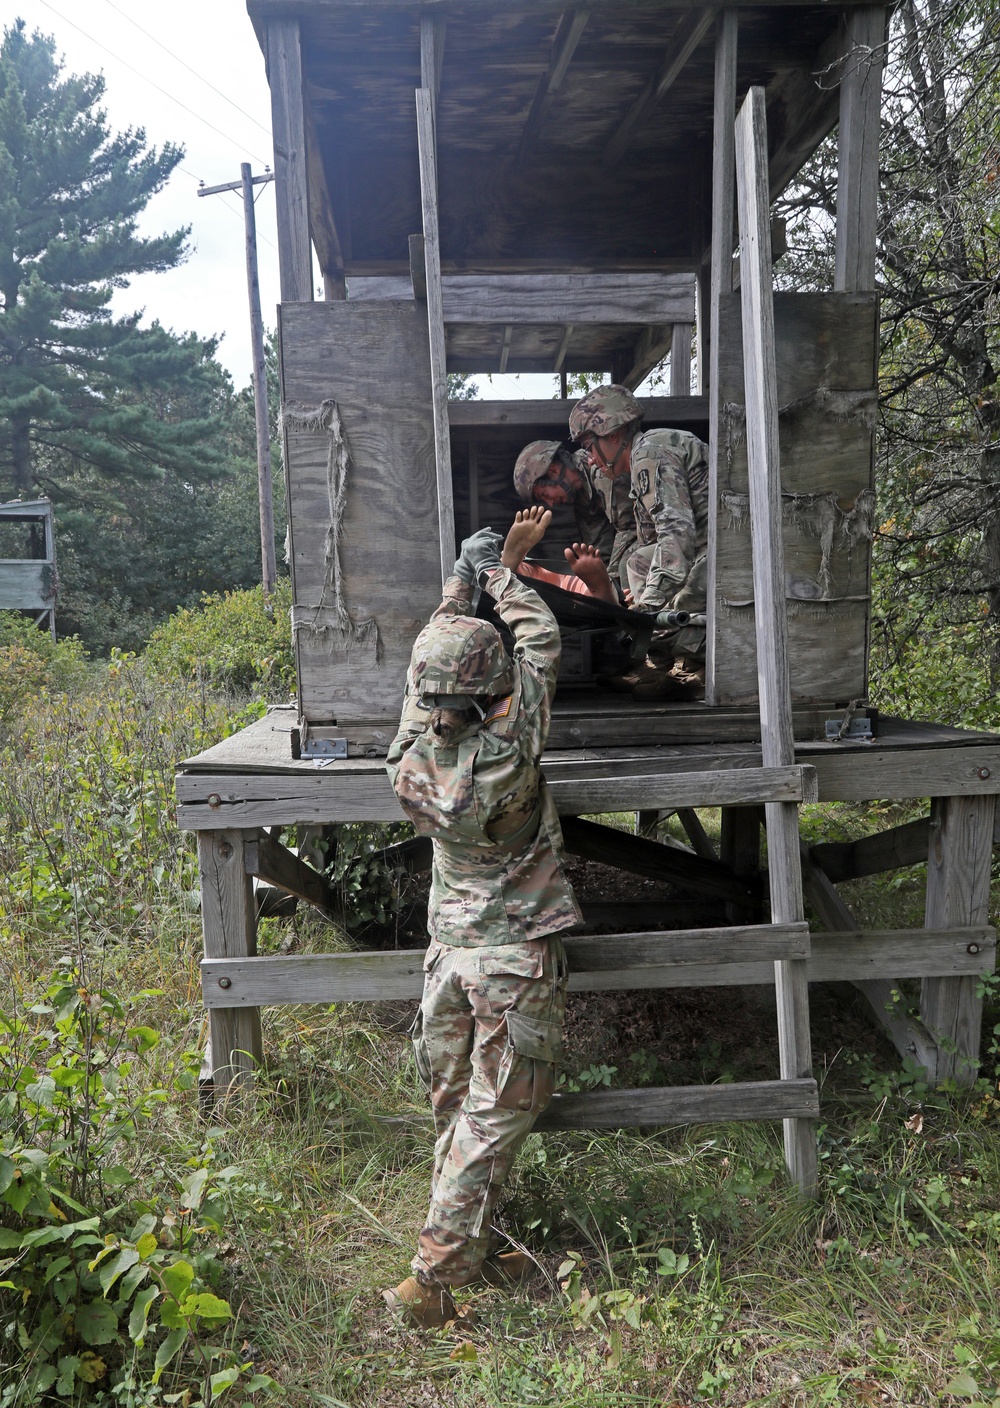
[426, 1307]
[507, 1269]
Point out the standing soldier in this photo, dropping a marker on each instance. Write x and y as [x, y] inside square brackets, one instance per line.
[549, 472]
[465, 767]
[667, 471]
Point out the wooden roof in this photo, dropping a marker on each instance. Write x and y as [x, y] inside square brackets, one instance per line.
[567, 139]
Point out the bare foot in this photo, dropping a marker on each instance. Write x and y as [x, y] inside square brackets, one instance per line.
[587, 563]
[528, 528]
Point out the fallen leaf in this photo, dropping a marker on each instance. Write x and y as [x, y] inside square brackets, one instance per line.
[915, 1124]
[466, 1352]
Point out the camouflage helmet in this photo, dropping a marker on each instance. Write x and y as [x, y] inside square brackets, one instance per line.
[603, 411]
[460, 655]
[532, 463]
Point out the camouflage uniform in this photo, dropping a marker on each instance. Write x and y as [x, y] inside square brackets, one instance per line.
[489, 1030]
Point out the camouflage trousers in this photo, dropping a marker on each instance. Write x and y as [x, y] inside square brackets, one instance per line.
[487, 1041]
[687, 641]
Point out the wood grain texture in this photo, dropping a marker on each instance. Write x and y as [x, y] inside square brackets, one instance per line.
[276, 865]
[958, 892]
[373, 361]
[690, 33]
[721, 282]
[680, 359]
[358, 977]
[690, 1104]
[284, 72]
[858, 141]
[683, 411]
[872, 855]
[427, 150]
[229, 927]
[569, 31]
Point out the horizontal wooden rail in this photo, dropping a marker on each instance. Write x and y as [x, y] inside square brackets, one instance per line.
[219, 801]
[615, 962]
[684, 1104]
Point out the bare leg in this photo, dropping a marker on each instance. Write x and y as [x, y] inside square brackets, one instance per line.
[528, 528]
[587, 563]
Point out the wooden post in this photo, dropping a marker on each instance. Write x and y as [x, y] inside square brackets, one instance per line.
[723, 168]
[229, 926]
[291, 191]
[269, 568]
[680, 360]
[435, 327]
[777, 746]
[858, 137]
[958, 893]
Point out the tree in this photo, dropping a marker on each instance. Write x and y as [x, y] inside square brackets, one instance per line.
[78, 387]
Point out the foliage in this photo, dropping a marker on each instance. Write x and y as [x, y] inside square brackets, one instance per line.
[101, 1315]
[31, 663]
[234, 640]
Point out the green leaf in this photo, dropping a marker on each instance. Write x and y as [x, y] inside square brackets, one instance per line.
[177, 1278]
[110, 1272]
[145, 1037]
[167, 1350]
[146, 1245]
[54, 1267]
[224, 1379]
[68, 1366]
[193, 1187]
[7, 1171]
[962, 1386]
[97, 1323]
[140, 1313]
[134, 1278]
[208, 1306]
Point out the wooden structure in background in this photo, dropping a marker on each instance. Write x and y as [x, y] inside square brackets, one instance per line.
[28, 561]
[523, 186]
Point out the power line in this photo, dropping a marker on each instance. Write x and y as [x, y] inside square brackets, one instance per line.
[133, 69]
[177, 59]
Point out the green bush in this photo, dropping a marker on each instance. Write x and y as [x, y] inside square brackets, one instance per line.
[32, 663]
[231, 641]
[107, 1297]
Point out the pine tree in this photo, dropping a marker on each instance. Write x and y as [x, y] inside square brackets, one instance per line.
[83, 394]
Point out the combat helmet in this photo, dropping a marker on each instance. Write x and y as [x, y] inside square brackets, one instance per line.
[603, 411]
[532, 463]
[460, 655]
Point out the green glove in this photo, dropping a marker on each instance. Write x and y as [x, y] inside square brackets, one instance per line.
[481, 550]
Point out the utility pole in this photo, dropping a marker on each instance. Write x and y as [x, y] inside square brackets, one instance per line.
[269, 570]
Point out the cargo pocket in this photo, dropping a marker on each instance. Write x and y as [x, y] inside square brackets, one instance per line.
[526, 1071]
[420, 1049]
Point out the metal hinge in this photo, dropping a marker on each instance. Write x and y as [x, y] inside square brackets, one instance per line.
[858, 727]
[325, 748]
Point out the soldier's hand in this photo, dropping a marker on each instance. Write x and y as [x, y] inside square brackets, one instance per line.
[480, 550]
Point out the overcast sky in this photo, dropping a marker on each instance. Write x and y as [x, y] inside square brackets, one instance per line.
[191, 72]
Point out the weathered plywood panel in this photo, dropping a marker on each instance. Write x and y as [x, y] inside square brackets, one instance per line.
[825, 352]
[360, 598]
[26, 586]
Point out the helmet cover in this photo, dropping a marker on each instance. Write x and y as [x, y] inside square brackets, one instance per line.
[460, 655]
[532, 463]
[603, 411]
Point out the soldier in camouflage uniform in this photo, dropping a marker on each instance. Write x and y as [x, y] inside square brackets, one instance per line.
[465, 767]
[667, 471]
[549, 473]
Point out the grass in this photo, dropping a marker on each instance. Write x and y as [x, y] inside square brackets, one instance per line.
[674, 1266]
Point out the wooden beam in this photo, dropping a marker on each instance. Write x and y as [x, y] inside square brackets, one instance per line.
[858, 141]
[291, 190]
[736, 787]
[682, 410]
[651, 346]
[278, 866]
[696, 833]
[641, 856]
[390, 974]
[229, 926]
[885, 850]
[720, 282]
[690, 32]
[685, 1104]
[568, 33]
[563, 348]
[432, 32]
[418, 269]
[773, 681]
[497, 299]
[322, 226]
[435, 327]
[909, 1036]
[680, 360]
[959, 864]
[505, 348]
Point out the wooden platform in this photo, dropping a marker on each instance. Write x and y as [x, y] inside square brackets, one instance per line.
[252, 780]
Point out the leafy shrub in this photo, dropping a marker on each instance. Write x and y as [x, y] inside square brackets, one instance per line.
[32, 663]
[231, 641]
[108, 1298]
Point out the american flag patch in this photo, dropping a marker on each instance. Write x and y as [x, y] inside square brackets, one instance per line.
[500, 709]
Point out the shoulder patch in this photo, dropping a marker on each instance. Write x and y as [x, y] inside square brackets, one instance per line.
[500, 709]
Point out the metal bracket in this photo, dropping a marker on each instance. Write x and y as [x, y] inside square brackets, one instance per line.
[325, 748]
[859, 727]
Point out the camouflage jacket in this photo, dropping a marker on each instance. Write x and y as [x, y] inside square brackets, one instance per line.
[604, 512]
[669, 494]
[497, 875]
